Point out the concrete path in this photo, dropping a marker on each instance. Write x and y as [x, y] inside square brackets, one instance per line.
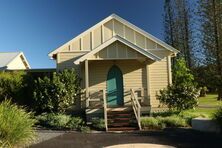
[167, 137]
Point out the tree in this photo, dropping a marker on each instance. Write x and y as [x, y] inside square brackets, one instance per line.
[210, 12]
[182, 94]
[177, 28]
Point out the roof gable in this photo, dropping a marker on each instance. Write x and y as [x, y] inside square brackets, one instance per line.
[125, 42]
[105, 30]
[6, 58]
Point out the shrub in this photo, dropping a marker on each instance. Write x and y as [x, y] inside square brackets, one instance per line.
[151, 123]
[16, 125]
[98, 123]
[60, 121]
[11, 85]
[218, 116]
[58, 93]
[173, 121]
[85, 129]
[182, 94]
[75, 123]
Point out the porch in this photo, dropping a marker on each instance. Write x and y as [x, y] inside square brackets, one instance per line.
[98, 97]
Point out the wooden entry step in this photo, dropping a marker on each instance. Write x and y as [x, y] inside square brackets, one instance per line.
[121, 119]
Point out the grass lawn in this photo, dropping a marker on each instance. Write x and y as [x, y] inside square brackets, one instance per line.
[211, 101]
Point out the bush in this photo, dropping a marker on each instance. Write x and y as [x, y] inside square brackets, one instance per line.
[60, 121]
[173, 121]
[58, 93]
[75, 123]
[16, 126]
[218, 116]
[151, 123]
[182, 94]
[85, 129]
[11, 85]
[98, 123]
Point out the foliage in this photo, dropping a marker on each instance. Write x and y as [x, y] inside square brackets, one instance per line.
[203, 91]
[165, 119]
[189, 115]
[11, 85]
[85, 129]
[178, 28]
[98, 123]
[58, 93]
[211, 33]
[182, 94]
[151, 123]
[173, 121]
[16, 125]
[60, 121]
[218, 116]
[75, 123]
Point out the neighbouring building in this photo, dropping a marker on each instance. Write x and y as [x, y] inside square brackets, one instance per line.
[13, 61]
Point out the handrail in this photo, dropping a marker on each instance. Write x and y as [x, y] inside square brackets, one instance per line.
[136, 107]
[105, 109]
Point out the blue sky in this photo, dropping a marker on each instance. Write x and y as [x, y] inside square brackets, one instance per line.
[36, 27]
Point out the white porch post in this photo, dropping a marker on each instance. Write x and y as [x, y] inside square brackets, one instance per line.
[148, 100]
[169, 70]
[87, 82]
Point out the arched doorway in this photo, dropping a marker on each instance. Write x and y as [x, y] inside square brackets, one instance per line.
[115, 87]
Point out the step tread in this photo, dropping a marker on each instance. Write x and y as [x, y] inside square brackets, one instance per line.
[122, 129]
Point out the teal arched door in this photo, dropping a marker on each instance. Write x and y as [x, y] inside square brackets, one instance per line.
[114, 87]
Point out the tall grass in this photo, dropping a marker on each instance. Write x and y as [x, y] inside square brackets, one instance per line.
[16, 126]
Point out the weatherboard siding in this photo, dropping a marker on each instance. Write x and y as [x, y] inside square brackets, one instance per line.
[158, 79]
[134, 75]
[66, 59]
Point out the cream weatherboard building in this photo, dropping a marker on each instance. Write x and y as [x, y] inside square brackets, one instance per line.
[13, 61]
[122, 67]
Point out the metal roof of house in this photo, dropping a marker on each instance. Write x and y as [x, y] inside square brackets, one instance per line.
[8, 57]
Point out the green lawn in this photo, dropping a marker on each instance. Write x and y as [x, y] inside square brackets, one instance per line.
[211, 101]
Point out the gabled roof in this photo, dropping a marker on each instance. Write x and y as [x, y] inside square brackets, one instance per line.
[130, 25]
[122, 40]
[7, 57]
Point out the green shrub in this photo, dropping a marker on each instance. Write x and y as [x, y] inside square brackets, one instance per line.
[182, 94]
[165, 113]
[98, 123]
[218, 116]
[11, 85]
[75, 123]
[59, 121]
[16, 125]
[173, 121]
[151, 123]
[58, 93]
[85, 129]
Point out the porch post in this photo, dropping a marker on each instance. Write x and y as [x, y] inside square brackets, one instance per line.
[148, 100]
[169, 70]
[87, 82]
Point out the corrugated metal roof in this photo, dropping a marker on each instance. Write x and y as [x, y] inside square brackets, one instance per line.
[7, 57]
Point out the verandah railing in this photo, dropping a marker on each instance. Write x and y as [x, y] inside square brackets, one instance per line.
[136, 107]
[105, 109]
